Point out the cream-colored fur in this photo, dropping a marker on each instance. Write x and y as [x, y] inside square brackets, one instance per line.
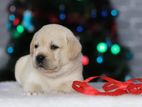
[61, 67]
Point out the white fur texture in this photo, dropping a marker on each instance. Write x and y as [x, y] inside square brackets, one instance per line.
[64, 64]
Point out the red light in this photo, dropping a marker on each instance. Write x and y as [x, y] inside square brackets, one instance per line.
[16, 21]
[85, 60]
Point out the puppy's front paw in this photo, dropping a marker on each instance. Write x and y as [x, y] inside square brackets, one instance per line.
[32, 90]
[31, 93]
[65, 88]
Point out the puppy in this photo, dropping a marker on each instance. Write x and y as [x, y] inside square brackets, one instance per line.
[54, 61]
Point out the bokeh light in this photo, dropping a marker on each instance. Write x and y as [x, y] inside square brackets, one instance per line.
[12, 8]
[27, 21]
[79, 29]
[15, 34]
[104, 13]
[85, 60]
[115, 49]
[99, 59]
[16, 22]
[20, 28]
[62, 16]
[128, 76]
[102, 47]
[11, 17]
[114, 12]
[10, 50]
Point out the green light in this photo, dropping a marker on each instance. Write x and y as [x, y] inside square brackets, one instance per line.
[102, 47]
[115, 49]
[16, 35]
[20, 28]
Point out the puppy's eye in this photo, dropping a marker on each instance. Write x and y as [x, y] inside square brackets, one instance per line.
[54, 47]
[36, 46]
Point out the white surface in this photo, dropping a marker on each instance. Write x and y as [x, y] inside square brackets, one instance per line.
[11, 95]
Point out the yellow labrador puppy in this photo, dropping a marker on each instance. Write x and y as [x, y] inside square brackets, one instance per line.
[54, 61]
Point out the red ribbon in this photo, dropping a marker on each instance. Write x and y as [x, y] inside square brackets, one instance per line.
[111, 87]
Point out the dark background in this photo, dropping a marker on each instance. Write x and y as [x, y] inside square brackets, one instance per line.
[129, 29]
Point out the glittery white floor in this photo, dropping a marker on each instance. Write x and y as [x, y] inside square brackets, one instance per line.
[12, 95]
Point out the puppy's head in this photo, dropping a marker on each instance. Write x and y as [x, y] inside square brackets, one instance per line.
[52, 47]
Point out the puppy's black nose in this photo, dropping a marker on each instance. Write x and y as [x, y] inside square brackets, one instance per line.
[40, 58]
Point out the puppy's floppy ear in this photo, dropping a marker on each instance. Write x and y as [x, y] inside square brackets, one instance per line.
[31, 46]
[73, 46]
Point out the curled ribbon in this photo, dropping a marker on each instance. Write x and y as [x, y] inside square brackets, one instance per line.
[111, 87]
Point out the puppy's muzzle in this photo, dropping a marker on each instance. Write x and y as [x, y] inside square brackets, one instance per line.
[40, 59]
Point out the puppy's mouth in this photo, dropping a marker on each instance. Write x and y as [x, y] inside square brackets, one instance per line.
[44, 67]
[41, 66]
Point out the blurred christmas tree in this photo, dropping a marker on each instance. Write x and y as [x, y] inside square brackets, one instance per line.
[92, 21]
